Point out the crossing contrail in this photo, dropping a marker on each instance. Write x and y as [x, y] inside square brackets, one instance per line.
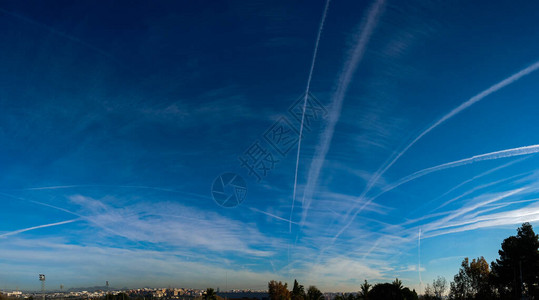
[526, 150]
[37, 227]
[487, 156]
[479, 176]
[381, 171]
[363, 35]
[494, 88]
[271, 215]
[324, 14]
[466, 182]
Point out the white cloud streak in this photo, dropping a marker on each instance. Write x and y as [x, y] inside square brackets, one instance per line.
[324, 14]
[363, 36]
[4, 235]
[482, 157]
[271, 215]
[477, 158]
[494, 88]
[173, 224]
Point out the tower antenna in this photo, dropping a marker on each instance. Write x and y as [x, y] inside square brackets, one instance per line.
[42, 279]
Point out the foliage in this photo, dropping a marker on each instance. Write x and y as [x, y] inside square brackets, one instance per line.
[364, 292]
[397, 283]
[278, 290]
[313, 293]
[436, 291]
[298, 292]
[340, 297]
[472, 281]
[391, 291]
[516, 272]
[439, 285]
[514, 276]
[408, 294]
[428, 294]
[210, 294]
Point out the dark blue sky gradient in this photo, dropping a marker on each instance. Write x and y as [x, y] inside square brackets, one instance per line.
[118, 116]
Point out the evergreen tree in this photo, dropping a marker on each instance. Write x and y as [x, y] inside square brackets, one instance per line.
[298, 292]
[313, 293]
[364, 292]
[516, 272]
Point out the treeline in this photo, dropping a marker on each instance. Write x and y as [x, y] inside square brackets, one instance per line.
[380, 291]
[513, 276]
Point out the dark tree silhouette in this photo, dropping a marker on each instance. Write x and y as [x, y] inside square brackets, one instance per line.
[516, 272]
[313, 293]
[439, 285]
[298, 292]
[391, 291]
[397, 283]
[472, 281]
[278, 290]
[210, 294]
[364, 292]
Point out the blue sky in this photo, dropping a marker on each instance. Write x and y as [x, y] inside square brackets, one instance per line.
[116, 119]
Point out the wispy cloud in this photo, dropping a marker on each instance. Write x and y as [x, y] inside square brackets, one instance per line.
[362, 37]
[482, 211]
[509, 80]
[307, 90]
[467, 209]
[516, 216]
[3, 235]
[526, 150]
[174, 224]
[91, 263]
[337, 268]
[272, 215]
[488, 172]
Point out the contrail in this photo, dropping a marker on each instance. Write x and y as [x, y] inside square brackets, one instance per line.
[37, 227]
[466, 182]
[363, 35]
[443, 223]
[479, 187]
[479, 176]
[482, 157]
[381, 171]
[81, 217]
[112, 186]
[41, 203]
[487, 156]
[494, 88]
[54, 31]
[419, 257]
[271, 215]
[324, 14]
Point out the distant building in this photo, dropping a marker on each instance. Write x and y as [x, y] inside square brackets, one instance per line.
[15, 294]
